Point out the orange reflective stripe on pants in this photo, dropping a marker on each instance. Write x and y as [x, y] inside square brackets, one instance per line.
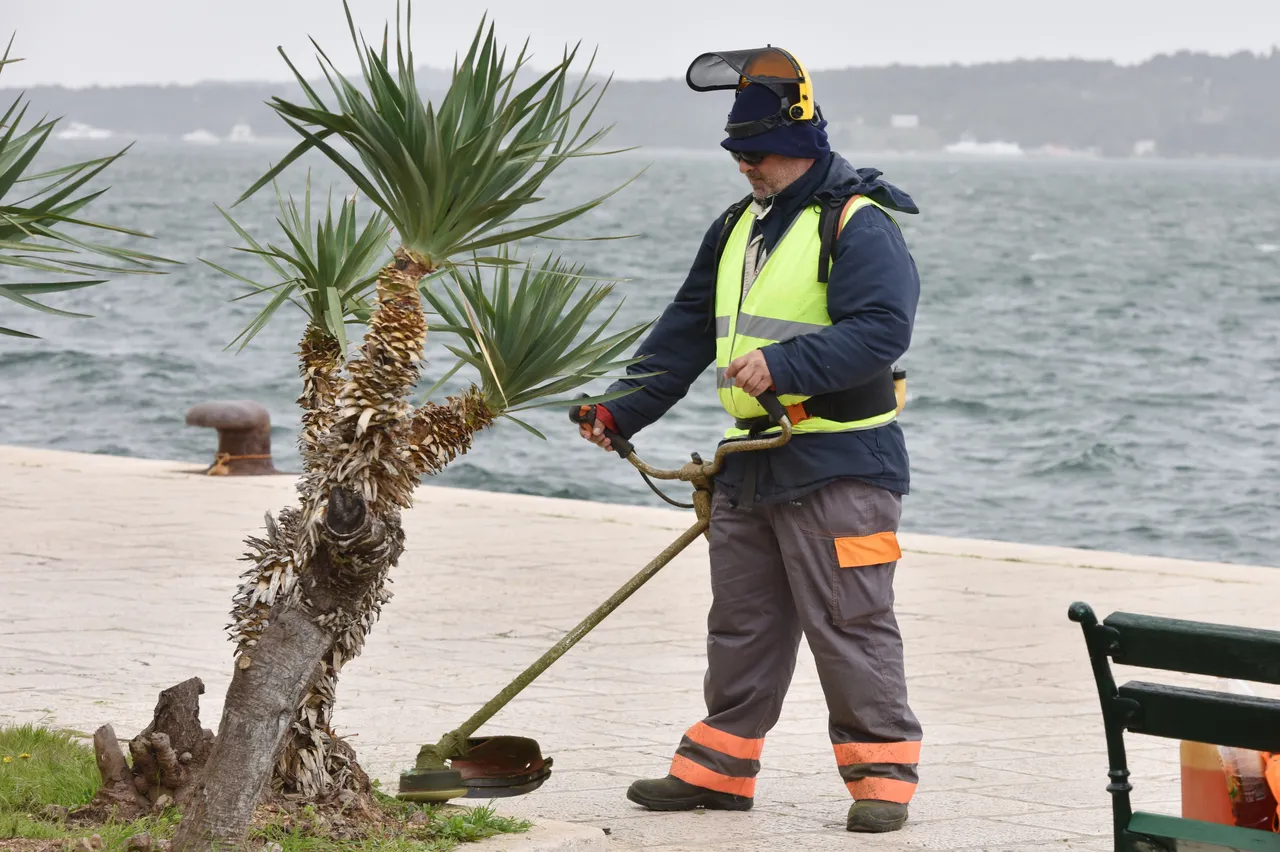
[852, 754]
[700, 776]
[740, 747]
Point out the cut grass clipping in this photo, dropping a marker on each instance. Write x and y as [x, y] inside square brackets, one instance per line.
[41, 767]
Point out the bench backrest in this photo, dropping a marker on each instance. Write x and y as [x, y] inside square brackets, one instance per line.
[1174, 712]
[1217, 650]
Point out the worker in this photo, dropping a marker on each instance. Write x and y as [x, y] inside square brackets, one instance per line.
[803, 537]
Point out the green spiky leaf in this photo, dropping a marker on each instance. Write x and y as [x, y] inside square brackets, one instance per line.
[327, 268]
[38, 226]
[451, 176]
[525, 329]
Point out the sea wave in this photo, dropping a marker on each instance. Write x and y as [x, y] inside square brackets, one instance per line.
[1122, 397]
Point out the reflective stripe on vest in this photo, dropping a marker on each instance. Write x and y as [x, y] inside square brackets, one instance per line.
[785, 301]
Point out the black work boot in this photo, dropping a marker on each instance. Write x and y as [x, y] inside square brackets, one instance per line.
[873, 817]
[672, 794]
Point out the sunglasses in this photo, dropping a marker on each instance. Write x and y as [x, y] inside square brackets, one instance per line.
[751, 158]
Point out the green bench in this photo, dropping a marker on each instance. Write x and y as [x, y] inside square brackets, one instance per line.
[1180, 713]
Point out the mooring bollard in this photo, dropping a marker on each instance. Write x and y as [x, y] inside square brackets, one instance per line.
[244, 436]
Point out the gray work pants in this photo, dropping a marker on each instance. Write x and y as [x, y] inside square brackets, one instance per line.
[823, 567]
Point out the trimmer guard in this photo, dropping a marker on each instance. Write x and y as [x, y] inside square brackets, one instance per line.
[496, 767]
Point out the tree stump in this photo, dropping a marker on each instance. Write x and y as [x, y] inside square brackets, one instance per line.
[244, 436]
[167, 759]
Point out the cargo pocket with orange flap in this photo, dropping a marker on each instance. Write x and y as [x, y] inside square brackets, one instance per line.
[862, 579]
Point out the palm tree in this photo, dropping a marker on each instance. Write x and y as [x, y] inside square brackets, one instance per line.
[327, 269]
[35, 212]
[450, 180]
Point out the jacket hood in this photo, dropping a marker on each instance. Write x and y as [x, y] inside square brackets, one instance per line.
[843, 180]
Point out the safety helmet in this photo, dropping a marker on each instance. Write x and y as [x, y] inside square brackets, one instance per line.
[769, 66]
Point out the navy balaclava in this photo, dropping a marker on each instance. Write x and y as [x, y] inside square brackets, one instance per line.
[803, 140]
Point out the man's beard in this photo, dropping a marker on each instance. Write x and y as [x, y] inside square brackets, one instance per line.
[782, 178]
[760, 188]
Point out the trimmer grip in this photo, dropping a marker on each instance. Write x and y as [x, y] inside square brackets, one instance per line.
[772, 406]
[620, 445]
[587, 414]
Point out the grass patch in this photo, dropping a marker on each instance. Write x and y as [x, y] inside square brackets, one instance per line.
[115, 835]
[404, 827]
[47, 767]
[39, 767]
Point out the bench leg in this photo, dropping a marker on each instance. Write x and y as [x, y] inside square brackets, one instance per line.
[1115, 714]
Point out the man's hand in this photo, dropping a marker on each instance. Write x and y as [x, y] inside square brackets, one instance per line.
[751, 373]
[594, 432]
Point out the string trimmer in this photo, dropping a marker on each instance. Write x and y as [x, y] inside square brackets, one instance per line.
[461, 765]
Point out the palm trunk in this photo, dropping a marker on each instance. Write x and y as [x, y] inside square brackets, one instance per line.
[437, 434]
[311, 764]
[355, 549]
[308, 764]
[274, 571]
[339, 548]
[320, 361]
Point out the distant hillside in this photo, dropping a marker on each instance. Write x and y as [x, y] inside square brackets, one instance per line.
[1175, 105]
[1182, 105]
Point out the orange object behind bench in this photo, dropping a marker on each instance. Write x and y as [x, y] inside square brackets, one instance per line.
[1273, 780]
[1204, 785]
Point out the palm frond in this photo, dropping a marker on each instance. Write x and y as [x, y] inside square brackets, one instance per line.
[451, 176]
[526, 331]
[35, 228]
[327, 267]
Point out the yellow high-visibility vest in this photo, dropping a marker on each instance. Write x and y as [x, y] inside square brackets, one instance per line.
[785, 301]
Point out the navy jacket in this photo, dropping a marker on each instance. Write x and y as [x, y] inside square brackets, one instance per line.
[871, 298]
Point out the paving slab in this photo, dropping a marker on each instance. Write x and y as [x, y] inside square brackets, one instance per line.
[116, 577]
[546, 836]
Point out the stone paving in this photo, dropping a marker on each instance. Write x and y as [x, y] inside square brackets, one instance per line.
[116, 577]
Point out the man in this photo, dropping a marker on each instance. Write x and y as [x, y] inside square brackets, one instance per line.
[803, 537]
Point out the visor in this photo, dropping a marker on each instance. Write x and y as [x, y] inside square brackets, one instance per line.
[769, 66]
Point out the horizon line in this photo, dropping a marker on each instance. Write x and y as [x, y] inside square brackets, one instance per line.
[266, 81]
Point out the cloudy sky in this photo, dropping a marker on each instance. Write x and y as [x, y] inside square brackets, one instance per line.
[83, 42]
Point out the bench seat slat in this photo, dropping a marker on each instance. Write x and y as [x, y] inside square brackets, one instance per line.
[1194, 836]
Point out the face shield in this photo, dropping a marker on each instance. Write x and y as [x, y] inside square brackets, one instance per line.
[771, 67]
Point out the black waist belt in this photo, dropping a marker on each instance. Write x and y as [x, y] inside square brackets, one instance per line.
[872, 399]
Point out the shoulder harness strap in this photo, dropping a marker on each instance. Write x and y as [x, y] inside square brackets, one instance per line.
[830, 223]
[730, 219]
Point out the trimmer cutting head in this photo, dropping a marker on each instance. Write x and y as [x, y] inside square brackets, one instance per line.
[431, 785]
[492, 768]
[496, 767]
